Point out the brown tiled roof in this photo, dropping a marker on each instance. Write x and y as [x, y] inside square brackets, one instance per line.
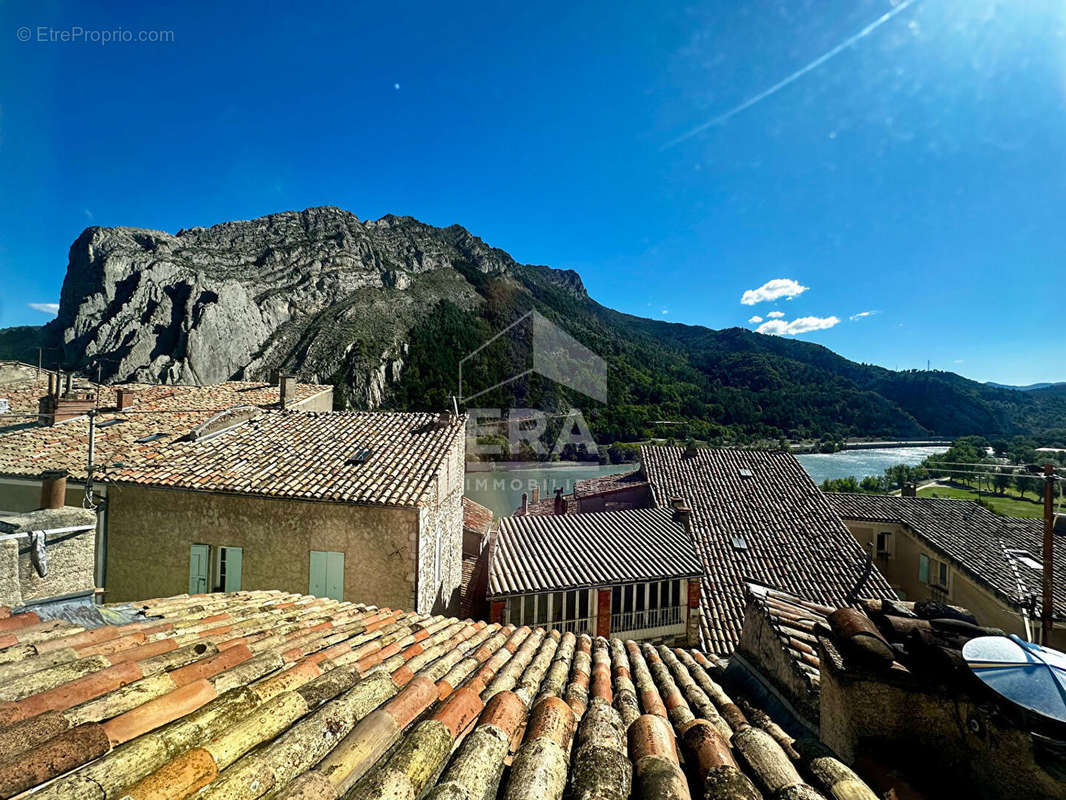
[365, 457]
[608, 483]
[601, 486]
[267, 694]
[772, 526]
[476, 518]
[983, 544]
[28, 449]
[571, 551]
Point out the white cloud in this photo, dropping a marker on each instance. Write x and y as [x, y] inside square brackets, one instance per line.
[45, 308]
[773, 290]
[88, 213]
[862, 315]
[776, 314]
[779, 327]
[755, 319]
[666, 311]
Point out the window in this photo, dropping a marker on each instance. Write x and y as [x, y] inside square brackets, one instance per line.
[150, 438]
[942, 574]
[884, 543]
[228, 569]
[923, 568]
[739, 542]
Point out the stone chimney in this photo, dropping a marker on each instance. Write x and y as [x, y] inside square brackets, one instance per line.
[909, 490]
[444, 419]
[54, 489]
[125, 397]
[287, 388]
[690, 450]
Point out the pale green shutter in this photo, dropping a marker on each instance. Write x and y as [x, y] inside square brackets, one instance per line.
[326, 574]
[199, 561]
[233, 557]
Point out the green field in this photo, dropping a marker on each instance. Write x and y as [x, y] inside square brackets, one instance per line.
[1008, 504]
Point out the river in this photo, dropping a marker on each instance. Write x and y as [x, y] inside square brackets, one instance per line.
[860, 463]
[502, 490]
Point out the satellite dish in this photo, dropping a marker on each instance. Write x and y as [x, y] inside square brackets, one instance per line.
[1026, 674]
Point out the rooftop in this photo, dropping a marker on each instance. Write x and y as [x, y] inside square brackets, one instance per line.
[757, 517]
[1001, 553]
[28, 449]
[365, 457]
[263, 693]
[550, 553]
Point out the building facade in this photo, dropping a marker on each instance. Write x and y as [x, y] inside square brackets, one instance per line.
[955, 551]
[347, 505]
[631, 573]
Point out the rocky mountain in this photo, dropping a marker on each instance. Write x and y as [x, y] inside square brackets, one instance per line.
[385, 309]
[317, 292]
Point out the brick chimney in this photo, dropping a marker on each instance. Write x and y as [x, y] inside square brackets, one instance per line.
[54, 489]
[287, 387]
[683, 514]
[53, 408]
[125, 397]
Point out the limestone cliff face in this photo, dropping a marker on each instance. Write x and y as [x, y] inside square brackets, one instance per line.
[317, 292]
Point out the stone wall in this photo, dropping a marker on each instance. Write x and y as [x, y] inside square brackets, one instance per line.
[150, 531]
[762, 647]
[69, 559]
[946, 742]
[441, 520]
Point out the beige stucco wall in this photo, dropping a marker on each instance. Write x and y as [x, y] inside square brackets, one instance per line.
[21, 494]
[901, 570]
[323, 401]
[150, 531]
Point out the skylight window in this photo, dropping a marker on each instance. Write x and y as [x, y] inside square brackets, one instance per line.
[108, 423]
[360, 457]
[747, 473]
[150, 438]
[1027, 558]
[739, 542]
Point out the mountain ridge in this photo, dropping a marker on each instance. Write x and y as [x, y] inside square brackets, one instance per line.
[384, 309]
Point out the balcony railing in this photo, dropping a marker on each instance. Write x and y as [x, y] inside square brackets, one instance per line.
[583, 625]
[648, 618]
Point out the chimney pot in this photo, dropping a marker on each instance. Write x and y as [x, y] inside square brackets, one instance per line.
[51, 384]
[525, 503]
[69, 383]
[54, 489]
[536, 493]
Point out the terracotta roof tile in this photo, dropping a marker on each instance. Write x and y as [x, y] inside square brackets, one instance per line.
[454, 704]
[28, 449]
[757, 516]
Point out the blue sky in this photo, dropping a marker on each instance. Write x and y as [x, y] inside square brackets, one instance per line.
[917, 174]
